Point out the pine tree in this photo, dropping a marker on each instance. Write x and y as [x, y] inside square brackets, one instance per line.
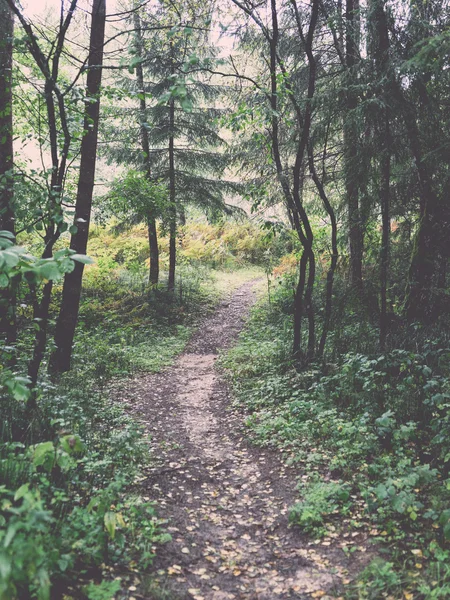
[185, 148]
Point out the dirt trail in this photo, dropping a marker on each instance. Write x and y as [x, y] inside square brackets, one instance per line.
[227, 503]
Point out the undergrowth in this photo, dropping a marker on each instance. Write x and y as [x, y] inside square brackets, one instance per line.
[370, 434]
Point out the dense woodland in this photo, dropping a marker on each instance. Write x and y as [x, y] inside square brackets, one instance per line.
[154, 155]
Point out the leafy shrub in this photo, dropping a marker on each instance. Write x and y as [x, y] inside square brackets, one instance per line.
[378, 580]
[320, 500]
[72, 511]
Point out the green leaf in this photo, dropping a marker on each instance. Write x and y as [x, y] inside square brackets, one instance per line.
[11, 258]
[44, 455]
[5, 566]
[18, 387]
[110, 523]
[12, 530]
[82, 258]
[50, 271]
[21, 491]
[381, 492]
[63, 563]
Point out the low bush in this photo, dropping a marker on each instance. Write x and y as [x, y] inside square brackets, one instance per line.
[67, 507]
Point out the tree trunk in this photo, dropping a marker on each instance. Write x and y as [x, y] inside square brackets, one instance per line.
[145, 143]
[309, 305]
[334, 253]
[70, 303]
[7, 296]
[154, 251]
[303, 294]
[422, 269]
[58, 131]
[385, 176]
[351, 147]
[299, 306]
[172, 199]
[378, 48]
[40, 342]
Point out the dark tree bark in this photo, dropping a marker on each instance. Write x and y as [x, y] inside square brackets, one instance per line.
[145, 143]
[172, 187]
[423, 266]
[7, 297]
[351, 146]
[304, 122]
[68, 316]
[153, 277]
[379, 52]
[334, 252]
[172, 200]
[41, 316]
[385, 177]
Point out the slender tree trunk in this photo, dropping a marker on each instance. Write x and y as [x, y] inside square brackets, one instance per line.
[378, 49]
[385, 174]
[299, 305]
[70, 303]
[303, 294]
[172, 199]
[7, 297]
[154, 250]
[334, 253]
[145, 143]
[310, 307]
[426, 244]
[351, 147]
[40, 343]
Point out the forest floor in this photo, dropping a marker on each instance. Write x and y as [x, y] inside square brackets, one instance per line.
[226, 501]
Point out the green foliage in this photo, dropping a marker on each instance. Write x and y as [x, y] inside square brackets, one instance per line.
[378, 579]
[320, 500]
[105, 590]
[66, 506]
[18, 267]
[133, 198]
[224, 245]
[16, 264]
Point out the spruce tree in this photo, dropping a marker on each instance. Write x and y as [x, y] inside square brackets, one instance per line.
[185, 148]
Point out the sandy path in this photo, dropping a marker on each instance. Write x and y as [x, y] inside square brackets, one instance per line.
[226, 502]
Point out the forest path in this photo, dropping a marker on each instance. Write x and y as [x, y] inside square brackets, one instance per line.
[226, 501]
